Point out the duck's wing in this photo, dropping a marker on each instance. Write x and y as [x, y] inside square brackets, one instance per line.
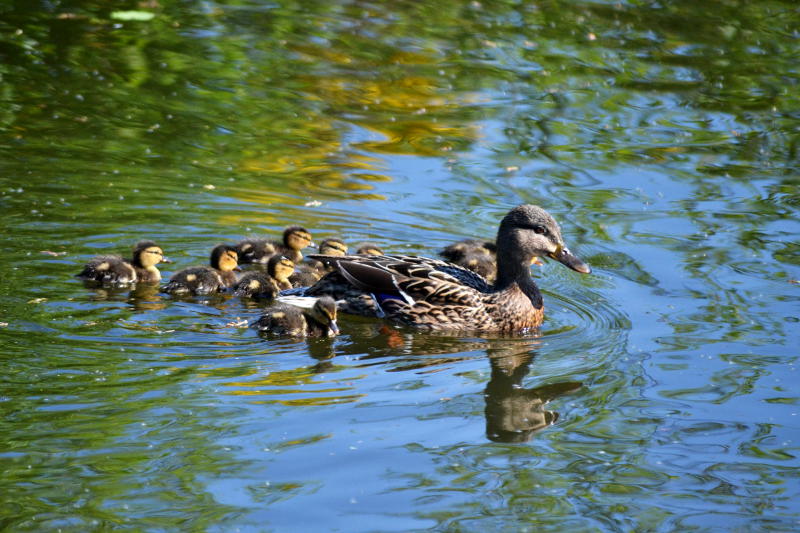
[406, 266]
[409, 279]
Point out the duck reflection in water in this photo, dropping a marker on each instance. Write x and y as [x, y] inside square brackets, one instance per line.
[514, 414]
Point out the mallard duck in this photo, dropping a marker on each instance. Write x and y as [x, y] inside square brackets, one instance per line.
[114, 270]
[369, 249]
[207, 279]
[286, 319]
[437, 295]
[295, 238]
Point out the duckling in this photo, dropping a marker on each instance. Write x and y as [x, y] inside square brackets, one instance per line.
[256, 284]
[286, 319]
[207, 279]
[280, 268]
[331, 246]
[255, 251]
[114, 270]
[369, 249]
[478, 256]
[457, 251]
[295, 238]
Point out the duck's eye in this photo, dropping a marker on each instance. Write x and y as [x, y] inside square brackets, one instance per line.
[538, 229]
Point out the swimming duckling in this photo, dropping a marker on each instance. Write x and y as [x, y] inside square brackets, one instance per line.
[286, 319]
[331, 246]
[295, 238]
[482, 264]
[256, 284]
[207, 279]
[369, 249]
[255, 251]
[114, 270]
[478, 256]
[280, 269]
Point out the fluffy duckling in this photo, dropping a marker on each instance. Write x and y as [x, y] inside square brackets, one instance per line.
[369, 249]
[256, 284]
[295, 238]
[459, 250]
[114, 270]
[207, 279]
[332, 246]
[286, 319]
[280, 268]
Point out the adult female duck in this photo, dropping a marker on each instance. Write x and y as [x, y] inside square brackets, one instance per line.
[437, 295]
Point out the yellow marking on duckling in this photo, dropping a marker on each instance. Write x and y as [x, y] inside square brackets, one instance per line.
[254, 284]
[278, 314]
[103, 266]
[191, 277]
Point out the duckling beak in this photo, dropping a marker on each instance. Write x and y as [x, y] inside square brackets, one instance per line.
[536, 261]
[566, 258]
[166, 260]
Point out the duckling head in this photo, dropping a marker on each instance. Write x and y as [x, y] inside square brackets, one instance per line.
[148, 254]
[324, 312]
[280, 268]
[333, 247]
[297, 238]
[528, 232]
[224, 257]
[369, 249]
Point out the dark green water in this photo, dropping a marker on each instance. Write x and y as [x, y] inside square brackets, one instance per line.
[664, 136]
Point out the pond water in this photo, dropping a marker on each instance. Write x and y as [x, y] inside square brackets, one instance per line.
[660, 394]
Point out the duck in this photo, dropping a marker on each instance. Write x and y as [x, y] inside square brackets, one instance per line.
[289, 320]
[433, 294]
[114, 270]
[295, 238]
[369, 248]
[219, 275]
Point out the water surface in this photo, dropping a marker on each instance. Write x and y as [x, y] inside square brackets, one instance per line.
[659, 394]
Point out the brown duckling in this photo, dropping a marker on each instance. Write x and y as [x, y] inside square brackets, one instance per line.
[286, 319]
[114, 270]
[207, 279]
[295, 238]
[369, 249]
[478, 256]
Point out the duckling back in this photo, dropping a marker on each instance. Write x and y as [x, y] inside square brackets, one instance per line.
[195, 280]
[108, 269]
[283, 319]
[256, 284]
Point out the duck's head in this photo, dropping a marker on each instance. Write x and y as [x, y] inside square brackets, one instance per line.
[333, 247]
[147, 254]
[280, 267]
[369, 249]
[297, 238]
[225, 258]
[324, 312]
[528, 232]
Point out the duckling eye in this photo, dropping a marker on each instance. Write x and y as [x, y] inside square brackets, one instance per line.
[539, 230]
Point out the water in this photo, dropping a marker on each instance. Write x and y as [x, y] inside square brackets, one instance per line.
[660, 394]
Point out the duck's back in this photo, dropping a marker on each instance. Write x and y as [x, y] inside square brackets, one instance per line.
[109, 269]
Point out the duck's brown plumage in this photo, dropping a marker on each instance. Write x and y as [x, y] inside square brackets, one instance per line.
[438, 295]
